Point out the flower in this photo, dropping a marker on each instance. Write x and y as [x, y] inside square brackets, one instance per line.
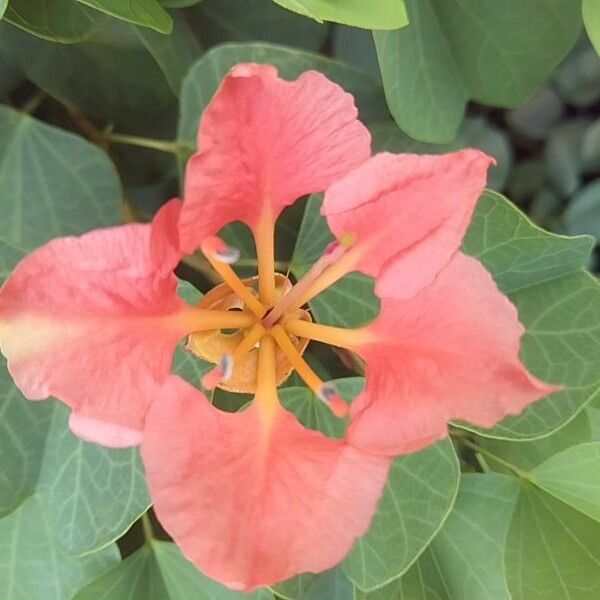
[253, 497]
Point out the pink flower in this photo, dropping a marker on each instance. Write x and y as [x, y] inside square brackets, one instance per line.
[252, 497]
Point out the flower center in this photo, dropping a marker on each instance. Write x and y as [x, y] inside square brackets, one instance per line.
[236, 352]
[275, 331]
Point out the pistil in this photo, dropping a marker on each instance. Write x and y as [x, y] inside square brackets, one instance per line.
[326, 392]
[220, 255]
[332, 254]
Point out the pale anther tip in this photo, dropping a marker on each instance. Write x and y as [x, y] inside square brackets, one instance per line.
[218, 249]
[329, 395]
[226, 367]
[228, 254]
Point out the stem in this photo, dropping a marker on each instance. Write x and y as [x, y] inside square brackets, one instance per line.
[170, 147]
[198, 262]
[34, 102]
[476, 448]
[280, 265]
[148, 529]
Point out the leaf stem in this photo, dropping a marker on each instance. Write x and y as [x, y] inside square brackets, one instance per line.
[171, 147]
[476, 448]
[148, 529]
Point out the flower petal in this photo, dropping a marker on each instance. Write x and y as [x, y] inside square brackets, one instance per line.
[263, 143]
[249, 502]
[93, 320]
[407, 213]
[451, 352]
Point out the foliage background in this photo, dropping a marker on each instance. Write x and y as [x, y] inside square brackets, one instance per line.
[100, 102]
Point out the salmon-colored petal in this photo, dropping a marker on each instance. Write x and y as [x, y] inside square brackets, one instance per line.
[251, 503]
[451, 352]
[265, 142]
[407, 213]
[93, 320]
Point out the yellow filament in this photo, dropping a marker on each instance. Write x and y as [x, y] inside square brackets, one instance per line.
[312, 380]
[200, 319]
[335, 336]
[248, 343]
[266, 380]
[264, 237]
[329, 276]
[235, 283]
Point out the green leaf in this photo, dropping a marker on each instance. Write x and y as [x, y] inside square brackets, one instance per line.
[313, 413]
[563, 156]
[573, 476]
[591, 20]
[53, 183]
[542, 274]
[76, 481]
[528, 454]
[174, 53]
[260, 20]
[552, 551]
[377, 14]
[34, 567]
[3, 5]
[558, 303]
[418, 496]
[356, 47]
[158, 571]
[330, 585]
[67, 22]
[465, 561]
[205, 76]
[517, 252]
[582, 214]
[454, 51]
[111, 77]
[146, 13]
[178, 3]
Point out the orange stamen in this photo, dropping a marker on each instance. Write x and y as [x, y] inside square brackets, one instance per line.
[264, 237]
[332, 254]
[334, 336]
[218, 253]
[200, 319]
[266, 380]
[328, 277]
[326, 392]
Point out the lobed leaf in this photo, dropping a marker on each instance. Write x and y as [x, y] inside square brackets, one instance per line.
[377, 14]
[158, 571]
[454, 51]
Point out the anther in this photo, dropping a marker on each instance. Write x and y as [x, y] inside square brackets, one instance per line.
[222, 372]
[218, 249]
[328, 394]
